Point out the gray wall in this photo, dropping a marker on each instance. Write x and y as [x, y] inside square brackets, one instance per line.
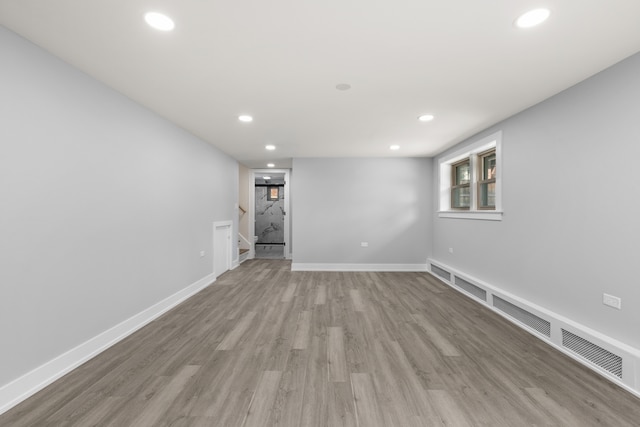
[104, 207]
[342, 202]
[571, 206]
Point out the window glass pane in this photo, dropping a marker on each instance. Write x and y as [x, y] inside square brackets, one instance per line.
[487, 196]
[461, 197]
[463, 174]
[273, 193]
[489, 167]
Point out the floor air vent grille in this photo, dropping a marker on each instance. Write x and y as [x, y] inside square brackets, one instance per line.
[441, 272]
[593, 353]
[529, 319]
[471, 288]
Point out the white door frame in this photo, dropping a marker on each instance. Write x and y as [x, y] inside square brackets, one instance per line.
[217, 225]
[287, 208]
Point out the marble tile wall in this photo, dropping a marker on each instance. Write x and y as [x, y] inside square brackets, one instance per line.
[269, 217]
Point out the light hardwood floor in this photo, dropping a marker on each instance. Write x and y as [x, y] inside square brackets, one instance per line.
[264, 346]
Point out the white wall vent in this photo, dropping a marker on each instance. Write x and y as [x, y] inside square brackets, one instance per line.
[529, 319]
[441, 272]
[474, 290]
[595, 354]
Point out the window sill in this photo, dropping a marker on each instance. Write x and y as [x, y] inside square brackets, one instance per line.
[480, 215]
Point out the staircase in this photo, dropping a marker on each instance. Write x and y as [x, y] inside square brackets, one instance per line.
[244, 248]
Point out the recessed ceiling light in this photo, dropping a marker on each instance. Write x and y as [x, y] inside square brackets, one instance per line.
[271, 165]
[266, 177]
[270, 147]
[343, 86]
[394, 147]
[159, 21]
[245, 118]
[426, 117]
[532, 18]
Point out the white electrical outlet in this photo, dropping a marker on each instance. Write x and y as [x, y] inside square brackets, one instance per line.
[450, 250]
[612, 301]
[364, 244]
[201, 254]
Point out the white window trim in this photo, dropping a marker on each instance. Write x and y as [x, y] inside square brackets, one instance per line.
[471, 151]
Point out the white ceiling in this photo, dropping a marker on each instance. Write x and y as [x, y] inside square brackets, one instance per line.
[280, 60]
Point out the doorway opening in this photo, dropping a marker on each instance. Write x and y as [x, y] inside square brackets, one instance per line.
[271, 232]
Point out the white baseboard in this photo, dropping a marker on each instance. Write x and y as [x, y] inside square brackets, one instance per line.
[30, 383]
[630, 378]
[297, 266]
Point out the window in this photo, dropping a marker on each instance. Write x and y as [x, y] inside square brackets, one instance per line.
[470, 181]
[273, 193]
[461, 185]
[487, 181]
